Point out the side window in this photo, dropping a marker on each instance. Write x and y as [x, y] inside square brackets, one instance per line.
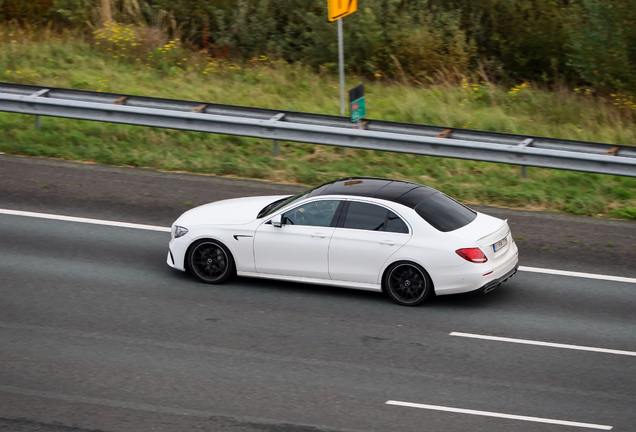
[365, 216]
[317, 213]
[396, 224]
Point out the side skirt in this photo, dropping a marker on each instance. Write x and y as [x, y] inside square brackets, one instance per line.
[315, 281]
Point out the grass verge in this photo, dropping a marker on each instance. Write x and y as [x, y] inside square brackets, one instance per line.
[67, 60]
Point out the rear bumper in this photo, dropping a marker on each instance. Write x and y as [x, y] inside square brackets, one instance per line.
[496, 282]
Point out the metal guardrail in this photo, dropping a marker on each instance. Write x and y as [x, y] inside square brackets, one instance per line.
[320, 129]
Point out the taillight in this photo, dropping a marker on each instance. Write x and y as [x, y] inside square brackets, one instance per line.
[474, 255]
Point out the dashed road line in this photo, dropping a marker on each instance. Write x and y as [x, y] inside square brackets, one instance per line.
[499, 415]
[545, 344]
[577, 274]
[84, 220]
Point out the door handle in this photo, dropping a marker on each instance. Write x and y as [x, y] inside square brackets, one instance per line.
[319, 235]
[387, 242]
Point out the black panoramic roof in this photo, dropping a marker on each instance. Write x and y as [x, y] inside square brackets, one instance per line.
[402, 192]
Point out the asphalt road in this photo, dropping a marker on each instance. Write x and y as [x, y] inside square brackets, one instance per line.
[97, 333]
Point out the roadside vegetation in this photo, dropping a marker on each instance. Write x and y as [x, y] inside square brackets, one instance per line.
[141, 59]
[585, 43]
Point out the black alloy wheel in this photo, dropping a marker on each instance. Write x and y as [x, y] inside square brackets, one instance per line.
[407, 284]
[210, 261]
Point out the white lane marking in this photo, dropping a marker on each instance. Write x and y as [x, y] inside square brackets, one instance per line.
[84, 220]
[167, 229]
[546, 344]
[499, 415]
[577, 274]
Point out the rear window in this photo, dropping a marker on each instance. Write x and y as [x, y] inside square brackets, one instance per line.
[374, 218]
[365, 216]
[444, 213]
[395, 224]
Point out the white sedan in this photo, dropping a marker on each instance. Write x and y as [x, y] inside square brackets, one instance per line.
[405, 239]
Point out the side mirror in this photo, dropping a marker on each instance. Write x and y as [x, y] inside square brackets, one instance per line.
[277, 221]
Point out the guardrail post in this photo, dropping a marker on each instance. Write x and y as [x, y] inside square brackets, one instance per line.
[42, 92]
[523, 144]
[276, 118]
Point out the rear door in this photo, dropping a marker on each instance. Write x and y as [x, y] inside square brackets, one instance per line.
[367, 236]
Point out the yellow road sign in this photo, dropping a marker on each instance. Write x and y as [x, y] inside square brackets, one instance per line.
[341, 8]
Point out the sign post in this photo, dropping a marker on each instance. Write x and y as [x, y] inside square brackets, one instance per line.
[341, 67]
[337, 10]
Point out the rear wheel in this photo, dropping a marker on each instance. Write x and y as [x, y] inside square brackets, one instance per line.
[407, 284]
[210, 261]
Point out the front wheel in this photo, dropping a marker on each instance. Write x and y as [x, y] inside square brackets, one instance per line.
[407, 284]
[210, 261]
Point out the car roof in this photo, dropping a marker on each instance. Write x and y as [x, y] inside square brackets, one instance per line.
[399, 191]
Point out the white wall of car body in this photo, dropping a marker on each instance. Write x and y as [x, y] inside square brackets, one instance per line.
[431, 249]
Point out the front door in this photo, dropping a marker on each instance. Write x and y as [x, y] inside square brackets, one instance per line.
[300, 247]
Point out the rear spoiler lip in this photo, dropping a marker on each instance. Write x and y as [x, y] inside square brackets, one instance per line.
[504, 224]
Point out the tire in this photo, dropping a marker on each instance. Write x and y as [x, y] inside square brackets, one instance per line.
[407, 284]
[210, 261]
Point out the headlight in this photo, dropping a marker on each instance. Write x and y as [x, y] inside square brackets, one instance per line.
[179, 231]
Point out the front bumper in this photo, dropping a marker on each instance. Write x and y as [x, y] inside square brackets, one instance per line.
[496, 282]
[171, 261]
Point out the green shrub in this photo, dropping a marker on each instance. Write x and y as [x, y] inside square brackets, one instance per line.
[603, 44]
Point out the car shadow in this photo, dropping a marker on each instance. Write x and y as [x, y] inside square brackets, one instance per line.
[296, 288]
[475, 300]
[252, 286]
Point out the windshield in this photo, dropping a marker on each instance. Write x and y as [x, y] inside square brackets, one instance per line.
[271, 208]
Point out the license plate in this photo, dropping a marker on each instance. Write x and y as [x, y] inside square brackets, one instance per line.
[501, 243]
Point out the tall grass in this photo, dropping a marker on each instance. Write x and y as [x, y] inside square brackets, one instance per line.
[163, 68]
